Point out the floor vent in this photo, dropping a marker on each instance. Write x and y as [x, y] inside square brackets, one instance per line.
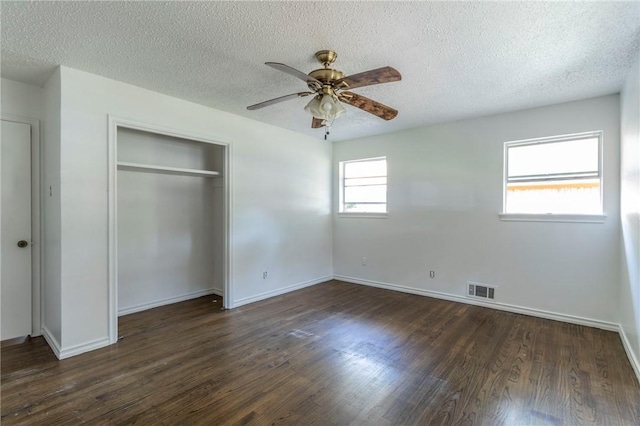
[481, 291]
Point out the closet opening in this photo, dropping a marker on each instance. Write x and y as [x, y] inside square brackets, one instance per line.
[169, 219]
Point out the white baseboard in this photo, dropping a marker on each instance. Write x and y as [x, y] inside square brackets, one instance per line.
[62, 353]
[84, 347]
[630, 353]
[167, 301]
[610, 326]
[51, 341]
[279, 291]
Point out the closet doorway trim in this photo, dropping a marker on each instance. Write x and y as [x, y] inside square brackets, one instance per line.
[114, 123]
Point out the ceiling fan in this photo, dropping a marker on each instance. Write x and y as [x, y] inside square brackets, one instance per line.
[330, 86]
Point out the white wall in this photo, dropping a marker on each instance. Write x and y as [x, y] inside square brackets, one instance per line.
[280, 198]
[630, 214]
[444, 196]
[21, 99]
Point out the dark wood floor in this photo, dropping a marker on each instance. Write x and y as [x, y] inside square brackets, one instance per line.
[334, 353]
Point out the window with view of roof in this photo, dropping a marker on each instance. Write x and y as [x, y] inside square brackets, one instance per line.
[558, 175]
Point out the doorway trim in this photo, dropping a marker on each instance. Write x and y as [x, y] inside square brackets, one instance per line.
[37, 239]
[114, 123]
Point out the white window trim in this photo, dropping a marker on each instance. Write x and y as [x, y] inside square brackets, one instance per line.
[363, 215]
[354, 215]
[554, 217]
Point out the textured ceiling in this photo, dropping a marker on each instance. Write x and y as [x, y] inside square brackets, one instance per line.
[457, 59]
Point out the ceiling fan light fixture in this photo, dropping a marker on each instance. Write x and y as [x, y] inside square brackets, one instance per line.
[325, 107]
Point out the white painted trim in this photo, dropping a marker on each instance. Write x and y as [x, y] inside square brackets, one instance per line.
[113, 124]
[168, 131]
[552, 217]
[227, 183]
[112, 229]
[363, 215]
[37, 230]
[167, 301]
[635, 363]
[51, 341]
[572, 319]
[84, 347]
[280, 291]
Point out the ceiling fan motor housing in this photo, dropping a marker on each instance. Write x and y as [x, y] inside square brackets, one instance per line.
[326, 75]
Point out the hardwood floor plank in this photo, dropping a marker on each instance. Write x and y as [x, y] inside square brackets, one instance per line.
[334, 353]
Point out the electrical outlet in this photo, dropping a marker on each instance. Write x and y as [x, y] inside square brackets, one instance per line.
[364, 261]
[264, 275]
[432, 274]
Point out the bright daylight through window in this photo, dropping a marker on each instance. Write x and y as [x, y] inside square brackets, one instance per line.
[363, 186]
[560, 175]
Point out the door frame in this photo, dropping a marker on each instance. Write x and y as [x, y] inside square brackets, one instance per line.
[117, 122]
[37, 255]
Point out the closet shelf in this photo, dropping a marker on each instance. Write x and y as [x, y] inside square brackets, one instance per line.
[150, 168]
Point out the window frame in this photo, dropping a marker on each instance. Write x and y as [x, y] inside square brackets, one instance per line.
[341, 189]
[555, 217]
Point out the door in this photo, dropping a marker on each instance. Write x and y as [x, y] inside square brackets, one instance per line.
[15, 177]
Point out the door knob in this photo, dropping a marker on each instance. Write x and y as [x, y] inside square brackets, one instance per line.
[22, 243]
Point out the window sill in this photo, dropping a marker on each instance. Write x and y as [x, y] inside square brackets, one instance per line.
[364, 215]
[551, 217]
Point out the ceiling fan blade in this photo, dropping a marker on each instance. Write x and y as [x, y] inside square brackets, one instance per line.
[280, 99]
[368, 105]
[294, 72]
[369, 78]
[316, 123]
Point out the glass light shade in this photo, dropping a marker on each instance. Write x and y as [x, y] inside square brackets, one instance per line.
[325, 107]
[313, 108]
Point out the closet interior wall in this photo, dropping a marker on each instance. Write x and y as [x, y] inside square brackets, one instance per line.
[170, 223]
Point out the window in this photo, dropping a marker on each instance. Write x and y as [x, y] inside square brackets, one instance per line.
[363, 186]
[559, 175]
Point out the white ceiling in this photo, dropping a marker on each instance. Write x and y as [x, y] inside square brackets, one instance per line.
[457, 59]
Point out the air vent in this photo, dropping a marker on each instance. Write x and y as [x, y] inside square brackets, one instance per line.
[481, 291]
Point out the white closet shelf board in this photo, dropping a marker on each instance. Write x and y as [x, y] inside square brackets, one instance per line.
[149, 168]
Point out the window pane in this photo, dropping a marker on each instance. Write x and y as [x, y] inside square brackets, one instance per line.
[365, 208]
[366, 181]
[363, 188]
[555, 157]
[363, 194]
[358, 169]
[560, 197]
